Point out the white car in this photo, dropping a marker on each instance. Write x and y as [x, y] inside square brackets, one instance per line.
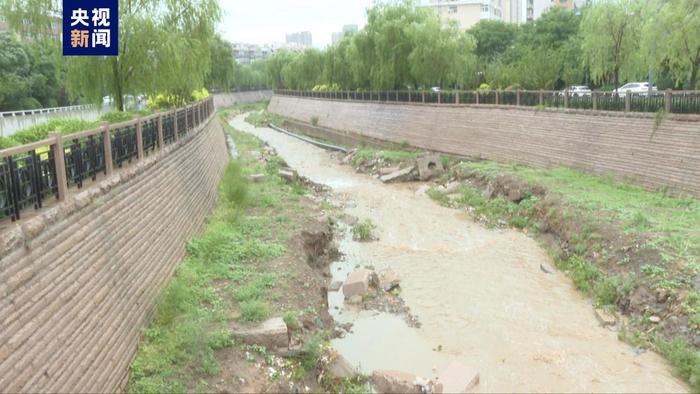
[435, 89]
[577, 90]
[641, 88]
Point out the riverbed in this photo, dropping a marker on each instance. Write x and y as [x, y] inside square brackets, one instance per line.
[479, 294]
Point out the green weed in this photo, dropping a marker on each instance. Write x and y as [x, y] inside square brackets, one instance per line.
[254, 310]
[362, 231]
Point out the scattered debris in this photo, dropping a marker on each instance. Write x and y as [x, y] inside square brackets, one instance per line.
[605, 317]
[545, 269]
[257, 178]
[287, 174]
[400, 175]
[357, 283]
[388, 279]
[390, 381]
[348, 158]
[388, 170]
[335, 286]
[654, 319]
[457, 378]
[340, 368]
[271, 333]
[429, 167]
[450, 187]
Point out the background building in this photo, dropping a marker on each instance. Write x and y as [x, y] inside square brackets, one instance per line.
[347, 29]
[3, 24]
[568, 4]
[302, 38]
[468, 12]
[53, 29]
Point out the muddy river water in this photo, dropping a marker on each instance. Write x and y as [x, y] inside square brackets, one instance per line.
[479, 294]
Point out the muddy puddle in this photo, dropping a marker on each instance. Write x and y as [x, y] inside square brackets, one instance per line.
[479, 294]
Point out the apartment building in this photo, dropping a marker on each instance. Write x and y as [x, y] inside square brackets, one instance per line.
[468, 12]
[302, 38]
[347, 29]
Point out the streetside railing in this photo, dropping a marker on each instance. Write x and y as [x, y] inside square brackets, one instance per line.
[25, 112]
[670, 101]
[33, 173]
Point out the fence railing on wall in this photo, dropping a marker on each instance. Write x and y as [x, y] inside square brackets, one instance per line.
[681, 102]
[32, 173]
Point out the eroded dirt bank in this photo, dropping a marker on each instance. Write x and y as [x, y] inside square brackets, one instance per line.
[480, 295]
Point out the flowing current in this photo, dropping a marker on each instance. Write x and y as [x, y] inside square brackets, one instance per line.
[480, 295]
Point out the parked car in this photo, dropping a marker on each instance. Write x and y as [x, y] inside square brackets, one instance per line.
[577, 90]
[641, 88]
[435, 89]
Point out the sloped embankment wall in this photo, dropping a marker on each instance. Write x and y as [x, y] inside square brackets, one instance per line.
[78, 282]
[628, 146]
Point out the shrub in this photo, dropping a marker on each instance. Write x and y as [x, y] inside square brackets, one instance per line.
[234, 185]
[116, 116]
[314, 120]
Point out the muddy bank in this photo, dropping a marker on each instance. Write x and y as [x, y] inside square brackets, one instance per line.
[480, 295]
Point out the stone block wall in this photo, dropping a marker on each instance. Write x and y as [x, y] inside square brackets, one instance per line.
[628, 146]
[78, 281]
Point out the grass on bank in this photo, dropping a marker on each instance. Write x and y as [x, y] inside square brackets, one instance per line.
[263, 118]
[223, 275]
[226, 276]
[667, 224]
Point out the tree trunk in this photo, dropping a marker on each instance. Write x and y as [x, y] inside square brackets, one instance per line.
[694, 77]
[118, 90]
[616, 78]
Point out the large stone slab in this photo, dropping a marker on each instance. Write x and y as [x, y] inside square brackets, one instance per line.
[271, 333]
[388, 279]
[357, 283]
[457, 378]
[398, 176]
[390, 381]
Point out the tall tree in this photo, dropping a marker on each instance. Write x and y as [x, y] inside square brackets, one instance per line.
[671, 39]
[610, 32]
[223, 65]
[493, 38]
[163, 47]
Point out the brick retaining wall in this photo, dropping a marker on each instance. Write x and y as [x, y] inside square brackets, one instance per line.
[78, 282]
[628, 146]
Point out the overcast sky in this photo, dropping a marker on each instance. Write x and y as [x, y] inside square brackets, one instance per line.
[267, 21]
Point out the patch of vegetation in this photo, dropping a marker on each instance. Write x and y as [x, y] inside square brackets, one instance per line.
[41, 131]
[314, 120]
[119, 116]
[684, 359]
[362, 231]
[263, 118]
[365, 154]
[672, 223]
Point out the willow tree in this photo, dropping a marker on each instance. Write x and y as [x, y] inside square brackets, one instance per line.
[671, 39]
[163, 47]
[610, 39]
[439, 53]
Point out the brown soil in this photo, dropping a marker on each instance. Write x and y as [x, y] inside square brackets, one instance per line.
[303, 289]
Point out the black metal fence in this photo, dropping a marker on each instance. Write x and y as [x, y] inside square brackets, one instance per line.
[682, 102]
[33, 173]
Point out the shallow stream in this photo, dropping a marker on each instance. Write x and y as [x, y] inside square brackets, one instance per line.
[479, 294]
